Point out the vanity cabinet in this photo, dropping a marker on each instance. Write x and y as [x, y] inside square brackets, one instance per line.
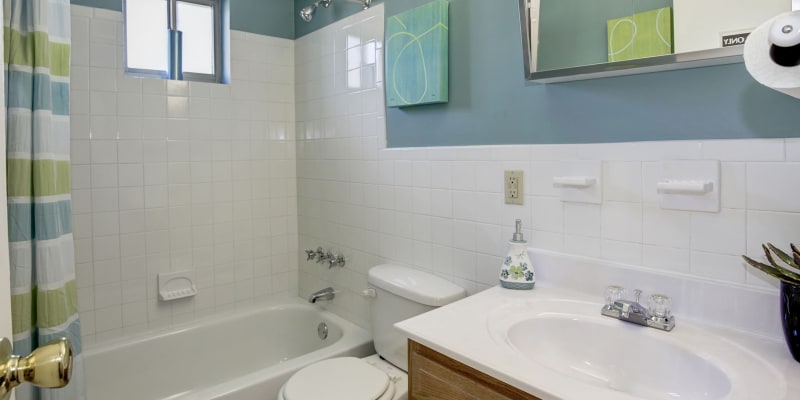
[432, 375]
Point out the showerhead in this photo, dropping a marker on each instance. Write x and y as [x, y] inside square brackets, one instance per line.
[307, 13]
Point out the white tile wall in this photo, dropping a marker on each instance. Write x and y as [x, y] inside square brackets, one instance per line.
[170, 176]
[441, 209]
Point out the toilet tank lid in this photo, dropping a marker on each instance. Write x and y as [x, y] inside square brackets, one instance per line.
[415, 285]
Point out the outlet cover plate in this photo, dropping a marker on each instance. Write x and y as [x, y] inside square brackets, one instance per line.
[514, 186]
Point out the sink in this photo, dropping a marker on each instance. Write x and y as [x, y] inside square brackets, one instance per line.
[571, 339]
[620, 358]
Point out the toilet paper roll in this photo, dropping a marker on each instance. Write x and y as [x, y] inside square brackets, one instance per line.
[762, 49]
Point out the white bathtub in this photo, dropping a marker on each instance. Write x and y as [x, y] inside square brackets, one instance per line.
[245, 356]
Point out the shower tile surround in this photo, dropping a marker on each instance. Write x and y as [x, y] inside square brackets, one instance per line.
[171, 176]
[441, 209]
[437, 209]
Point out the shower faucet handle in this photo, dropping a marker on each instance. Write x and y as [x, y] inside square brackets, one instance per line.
[336, 260]
[323, 256]
[310, 254]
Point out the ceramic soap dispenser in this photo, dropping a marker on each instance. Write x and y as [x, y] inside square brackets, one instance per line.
[517, 272]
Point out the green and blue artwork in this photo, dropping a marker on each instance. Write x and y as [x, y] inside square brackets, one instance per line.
[644, 34]
[417, 56]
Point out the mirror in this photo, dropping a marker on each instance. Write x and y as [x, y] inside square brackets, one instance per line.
[567, 40]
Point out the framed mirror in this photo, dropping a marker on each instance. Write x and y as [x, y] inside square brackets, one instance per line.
[568, 40]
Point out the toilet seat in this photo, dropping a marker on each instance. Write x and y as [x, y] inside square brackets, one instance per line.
[343, 378]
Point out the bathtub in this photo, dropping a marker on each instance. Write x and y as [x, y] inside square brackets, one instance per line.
[244, 356]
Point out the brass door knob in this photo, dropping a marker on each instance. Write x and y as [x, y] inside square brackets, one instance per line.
[48, 366]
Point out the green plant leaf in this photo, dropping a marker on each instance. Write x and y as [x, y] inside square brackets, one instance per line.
[771, 271]
[783, 256]
[795, 253]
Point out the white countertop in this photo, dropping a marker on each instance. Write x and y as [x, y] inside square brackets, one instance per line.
[466, 332]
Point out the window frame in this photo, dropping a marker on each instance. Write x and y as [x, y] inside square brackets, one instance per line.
[216, 77]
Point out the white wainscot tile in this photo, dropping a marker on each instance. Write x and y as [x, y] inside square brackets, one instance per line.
[403, 173]
[489, 239]
[541, 180]
[624, 252]
[582, 219]
[722, 232]
[463, 175]
[81, 177]
[104, 151]
[583, 245]
[666, 258]
[548, 214]
[464, 235]
[722, 267]
[777, 228]
[622, 221]
[131, 198]
[773, 186]
[131, 175]
[547, 240]
[441, 174]
[489, 176]
[744, 150]
[442, 231]
[793, 149]
[666, 228]
[104, 224]
[651, 174]
[421, 174]
[734, 185]
[622, 181]
[441, 203]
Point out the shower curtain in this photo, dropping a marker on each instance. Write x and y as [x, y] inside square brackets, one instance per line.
[43, 294]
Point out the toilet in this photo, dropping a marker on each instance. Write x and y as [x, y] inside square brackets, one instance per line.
[400, 293]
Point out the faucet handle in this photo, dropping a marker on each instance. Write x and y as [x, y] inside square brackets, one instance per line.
[310, 254]
[659, 306]
[336, 260]
[637, 294]
[613, 293]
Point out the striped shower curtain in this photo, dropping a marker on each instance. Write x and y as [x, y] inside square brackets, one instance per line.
[43, 295]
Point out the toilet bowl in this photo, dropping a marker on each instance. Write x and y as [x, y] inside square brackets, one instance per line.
[347, 378]
[399, 293]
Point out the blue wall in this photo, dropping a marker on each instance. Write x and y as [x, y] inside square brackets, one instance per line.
[264, 17]
[490, 103]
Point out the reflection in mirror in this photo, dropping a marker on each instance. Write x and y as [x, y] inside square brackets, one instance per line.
[580, 39]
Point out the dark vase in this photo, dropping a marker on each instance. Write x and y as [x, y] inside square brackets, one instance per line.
[790, 316]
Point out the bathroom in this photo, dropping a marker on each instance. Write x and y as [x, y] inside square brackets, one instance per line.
[234, 182]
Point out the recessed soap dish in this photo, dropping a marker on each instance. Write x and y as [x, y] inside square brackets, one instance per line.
[176, 285]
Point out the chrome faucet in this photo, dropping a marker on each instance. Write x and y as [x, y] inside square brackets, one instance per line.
[324, 294]
[658, 316]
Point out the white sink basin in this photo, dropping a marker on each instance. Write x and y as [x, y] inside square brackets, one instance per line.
[572, 339]
[618, 357]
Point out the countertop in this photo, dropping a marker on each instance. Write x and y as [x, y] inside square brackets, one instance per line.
[466, 332]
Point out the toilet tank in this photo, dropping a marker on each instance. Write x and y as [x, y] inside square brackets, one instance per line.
[402, 293]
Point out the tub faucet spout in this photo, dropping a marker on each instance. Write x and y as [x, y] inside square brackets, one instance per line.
[324, 294]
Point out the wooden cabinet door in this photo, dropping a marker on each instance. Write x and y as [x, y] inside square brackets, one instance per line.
[434, 376]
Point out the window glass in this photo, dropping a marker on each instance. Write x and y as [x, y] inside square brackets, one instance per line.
[196, 21]
[146, 34]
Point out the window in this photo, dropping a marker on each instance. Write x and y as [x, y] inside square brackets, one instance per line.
[174, 39]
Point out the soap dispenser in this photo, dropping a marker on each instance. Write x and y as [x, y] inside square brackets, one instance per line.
[517, 272]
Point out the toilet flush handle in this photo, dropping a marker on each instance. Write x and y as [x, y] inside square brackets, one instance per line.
[369, 293]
